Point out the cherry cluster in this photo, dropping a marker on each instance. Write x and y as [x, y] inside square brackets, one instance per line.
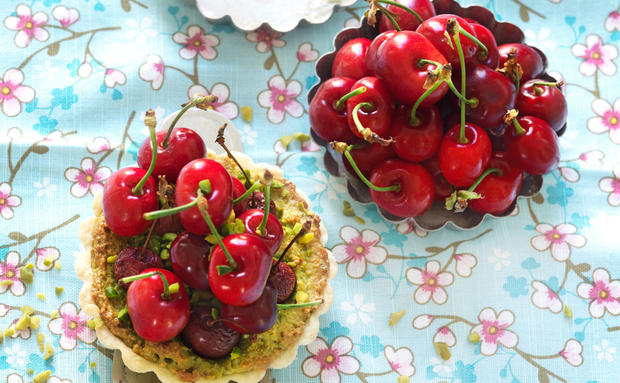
[196, 202]
[394, 109]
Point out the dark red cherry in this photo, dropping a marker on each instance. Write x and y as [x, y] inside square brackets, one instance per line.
[442, 188]
[238, 190]
[417, 142]
[256, 200]
[207, 337]
[350, 60]
[529, 59]
[407, 21]
[328, 121]
[254, 318]
[369, 157]
[488, 40]
[134, 260]
[283, 279]
[535, 150]
[543, 101]
[189, 255]
[462, 163]
[498, 190]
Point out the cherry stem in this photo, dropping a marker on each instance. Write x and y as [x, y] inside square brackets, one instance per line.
[222, 142]
[537, 86]
[414, 120]
[406, 8]
[347, 154]
[203, 207]
[390, 17]
[165, 295]
[305, 228]
[339, 104]
[422, 62]
[518, 127]
[195, 100]
[284, 306]
[483, 176]
[151, 215]
[356, 119]
[148, 237]
[261, 229]
[457, 41]
[485, 50]
[247, 193]
[151, 122]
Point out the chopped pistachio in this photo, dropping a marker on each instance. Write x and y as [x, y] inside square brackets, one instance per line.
[396, 317]
[164, 254]
[6, 282]
[211, 239]
[111, 292]
[1, 337]
[123, 314]
[26, 274]
[297, 228]
[235, 353]
[306, 238]
[568, 312]
[30, 266]
[301, 297]
[41, 296]
[30, 371]
[47, 261]
[174, 288]
[442, 350]
[41, 341]
[284, 193]
[275, 184]
[59, 290]
[27, 310]
[42, 377]
[474, 337]
[214, 313]
[403, 379]
[92, 364]
[347, 209]
[54, 314]
[49, 351]
[35, 320]
[9, 332]
[169, 237]
[57, 266]
[111, 259]
[361, 221]
[22, 323]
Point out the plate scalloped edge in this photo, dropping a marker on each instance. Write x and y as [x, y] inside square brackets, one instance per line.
[137, 363]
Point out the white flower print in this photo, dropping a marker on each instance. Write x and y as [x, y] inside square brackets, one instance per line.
[98, 145]
[330, 360]
[431, 282]
[604, 351]
[570, 174]
[545, 298]
[307, 53]
[8, 201]
[248, 135]
[596, 56]
[139, 31]
[85, 70]
[612, 22]
[9, 273]
[359, 249]
[14, 378]
[153, 71]
[4, 309]
[46, 258]
[603, 294]
[422, 321]
[559, 238]
[15, 355]
[221, 104]
[89, 178]
[500, 258]
[65, 16]
[401, 360]
[592, 158]
[27, 25]
[281, 98]
[444, 335]
[358, 309]
[196, 42]
[409, 225]
[541, 39]
[114, 77]
[353, 22]
[13, 93]
[572, 352]
[71, 326]
[465, 263]
[265, 38]
[492, 330]
[611, 185]
[607, 120]
[45, 188]
[24, 334]
[442, 367]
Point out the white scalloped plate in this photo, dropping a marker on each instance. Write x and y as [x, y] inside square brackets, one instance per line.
[281, 15]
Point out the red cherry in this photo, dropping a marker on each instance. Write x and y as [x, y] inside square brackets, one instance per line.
[536, 149]
[245, 283]
[273, 230]
[254, 318]
[442, 188]
[377, 117]
[462, 164]
[189, 256]
[434, 29]
[498, 190]
[398, 65]
[488, 40]
[418, 142]
[369, 157]
[415, 195]
[282, 278]
[350, 60]
[529, 59]
[220, 198]
[329, 122]
[238, 190]
[206, 336]
[543, 101]
[371, 54]
[184, 145]
[406, 20]
[122, 208]
[152, 317]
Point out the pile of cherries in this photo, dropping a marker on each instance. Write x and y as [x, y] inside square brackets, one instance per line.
[427, 110]
[199, 200]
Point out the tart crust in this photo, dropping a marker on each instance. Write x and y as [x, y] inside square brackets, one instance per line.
[93, 300]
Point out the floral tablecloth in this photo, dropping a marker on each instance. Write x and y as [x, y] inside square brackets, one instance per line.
[530, 297]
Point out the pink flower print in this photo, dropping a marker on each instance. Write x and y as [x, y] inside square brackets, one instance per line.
[4, 309]
[612, 22]
[592, 158]
[431, 281]
[8, 201]
[307, 53]
[444, 335]
[153, 71]
[465, 263]
[596, 56]
[27, 25]
[572, 352]
[602, 293]
[309, 146]
[559, 238]
[492, 330]
[9, 271]
[87, 179]
[330, 361]
[358, 249]
[46, 258]
[401, 360]
[222, 104]
[608, 119]
[570, 174]
[611, 185]
[24, 334]
[196, 42]
[65, 16]
[422, 321]
[409, 225]
[265, 38]
[98, 145]
[114, 77]
[545, 298]
[281, 98]
[13, 93]
[71, 326]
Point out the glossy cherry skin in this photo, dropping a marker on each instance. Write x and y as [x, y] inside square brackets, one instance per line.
[184, 145]
[220, 198]
[274, 234]
[123, 209]
[416, 193]
[462, 164]
[434, 30]
[406, 21]
[245, 284]
[350, 60]
[238, 190]
[254, 318]
[415, 143]
[369, 157]
[545, 102]
[488, 40]
[495, 93]
[397, 65]
[536, 151]
[328, 122]
[371, 54]
[152, 317]
[376, 118]
[207, 337]
[189, 255]
[529, 59]
[498, 190]
[442, 188]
